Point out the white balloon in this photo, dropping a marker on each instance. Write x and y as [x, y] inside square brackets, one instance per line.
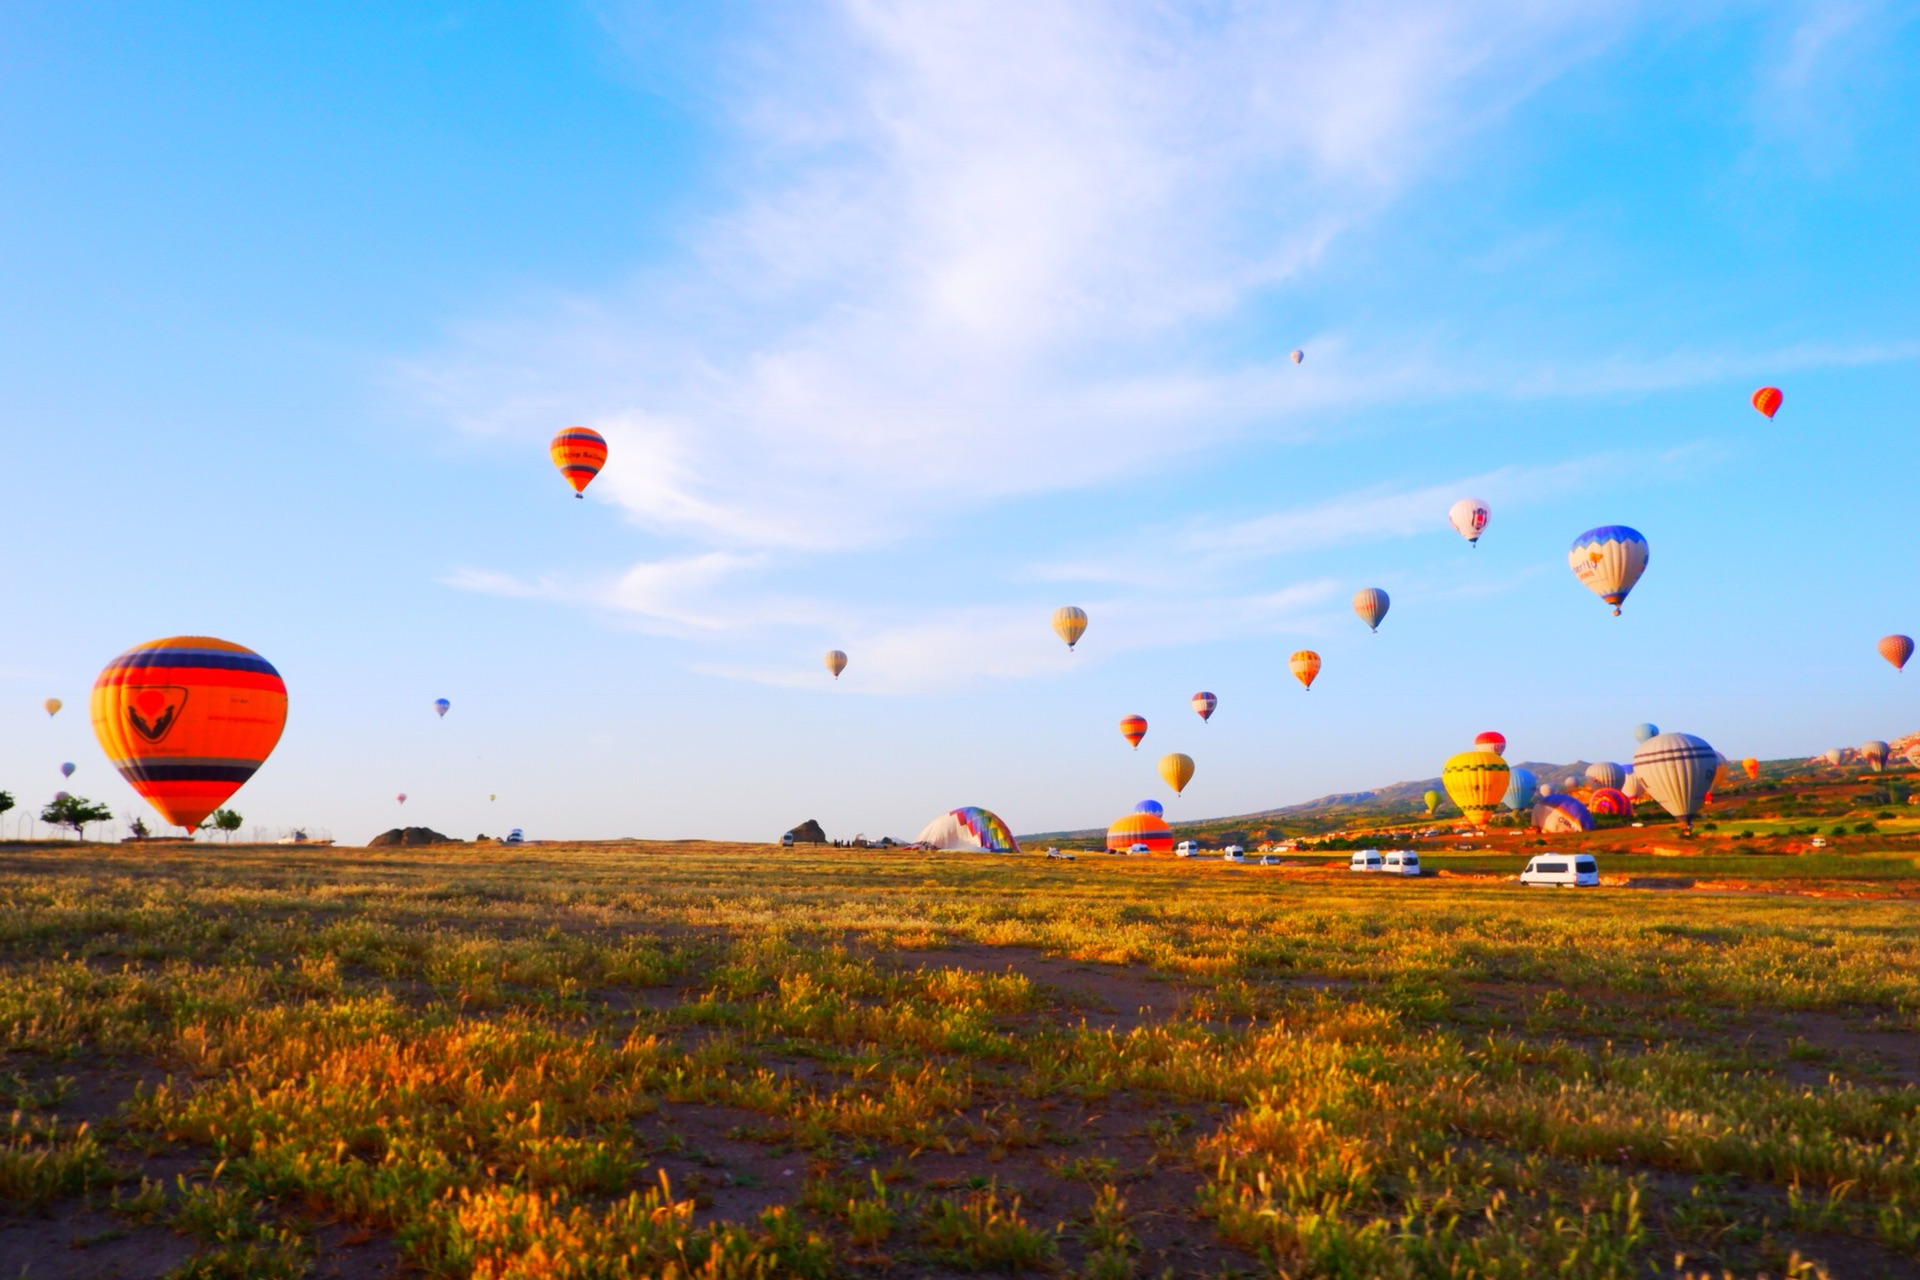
[1469, 517]
[1677, 770]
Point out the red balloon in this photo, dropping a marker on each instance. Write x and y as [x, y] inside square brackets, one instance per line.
[1767, 400]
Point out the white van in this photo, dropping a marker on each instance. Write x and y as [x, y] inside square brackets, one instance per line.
[1365, 860]
[1234, 853]
[1187, 849]
[1401, 862]
[1566, 870]
[1138, 848]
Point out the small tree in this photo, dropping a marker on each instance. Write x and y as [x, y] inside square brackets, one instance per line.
[75, 812]
[225, 820]
[138, 826]
[6, 801]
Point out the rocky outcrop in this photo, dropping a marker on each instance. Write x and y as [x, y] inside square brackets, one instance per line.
[808, 832]
[410, 836]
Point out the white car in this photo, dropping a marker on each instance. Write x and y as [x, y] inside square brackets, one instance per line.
[1187, 849]
[1365, 860]
[1401, 862]
[1138, 848]
[1268, 860]
[1234, 853]
[1564, 870]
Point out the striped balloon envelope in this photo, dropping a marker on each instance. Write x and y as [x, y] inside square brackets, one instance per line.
[1203, 704]
[1609, 802]
[1608, 561]
[1768, 400]
[187, 720]
[1370, 604]
[1476, 780]
[1305, 665]
[1133, 728]
[1070, 623]
[1149, 829]
[579, 452]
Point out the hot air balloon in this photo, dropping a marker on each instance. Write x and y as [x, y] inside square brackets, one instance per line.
[1469, 517]
[1371, 604]
[1545, 788]
[1767, 400]
[836, 662]
[1177, 770]
[1561, 816]
[53, 706]
[1298, 355]
[1608, 802]
[61, 795]
[970, 829]
[1896, 649]
[1521, 787]
[1568, 784]
[1153, 807]
[1608, 561]
[1203, 705]
[579, 453]
[1641, 732]
[492, 798]
[1833, 756]
[1875, 754]
[1490, 741]
[1305, 665]
[187, 720]
[1605, 773]
[441, 706]
[401, 798]
[1635, 787]
[1678, 771]
[1069, 623]
[1149, 829]
[1433, 801]
[1752, 767]
[1476, 780]
[1133, 728]
[66, 770]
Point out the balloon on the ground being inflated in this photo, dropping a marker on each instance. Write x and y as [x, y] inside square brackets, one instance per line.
[1896, 649]
[1371, 604]
[187, 720]
[1492, 740]
[1605, 773]
[1767, 400]
[1305, 665]
[1149, 829]
[1521, 789]
[1176, 770]
[1070, 623]
[836, 662]
[1469, 518]
[1561, 815]
[1608, 561]
[1475, 781]
[1635, 787]
[1834, 756]
[1133, 728]
[441, 706]
[1641, 732]
[1609, 802]
[1678, 770]
[1203, 704]
[579, 452]
[53, 706]
[1150, 806]
[1875, 754]
[969, 829]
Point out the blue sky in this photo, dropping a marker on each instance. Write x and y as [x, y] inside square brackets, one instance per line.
[908, 322]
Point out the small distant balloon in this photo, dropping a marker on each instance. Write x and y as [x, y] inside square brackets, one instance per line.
[1752, 766]
[401, 798]
[60, 795]
[1896, 649]
[1608, 561]
[1641, 732]
[579, 452]
[1070, 623]
[66, 770]
[1305, 665]
[1177, 770]
[1767, 400]
[1298, 355]
[1469, 517]
[493, 797]
[1875, 754]
[1133, 728]
[1834, 756]
[1606, 775]
[441, 706]
[1490, 741]
[1203, 705]
[53, 706]
[1371, 604]
[1432, 799]
[836, 662]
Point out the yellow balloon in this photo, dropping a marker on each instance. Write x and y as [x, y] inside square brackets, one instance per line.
[53, 706]
[836, 662]
[1177, 769]
[1070, 623]
[1476, 780]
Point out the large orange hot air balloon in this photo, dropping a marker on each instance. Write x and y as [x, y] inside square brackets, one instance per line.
[1767, 400]
[579, 452]
[1896, 649]
[1305, 665]
[187, 720]
[1133, 728]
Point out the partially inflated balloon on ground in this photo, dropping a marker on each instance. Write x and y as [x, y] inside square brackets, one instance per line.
[836, 662]
[1605, 773]
[1896, 649]
[1149, 829]
[1834, 756]
[1475, 781]
[1561, 815]
[1641, 732]
[1070, 623]
[1133, 728]
[1608, 561]
[969, 828]
[1305, 665]
[1875, 754]
[1177, 770]
[1371, 604]
[1767, 400]
[1203, 704]
[53, 706]
[1469, 518]
[1521, 788]
[1678, 771]
[1607, 802]
[579, 452]
[187, 721]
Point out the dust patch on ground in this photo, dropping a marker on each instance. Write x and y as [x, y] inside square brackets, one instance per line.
[1109, 997]
[72, 1242]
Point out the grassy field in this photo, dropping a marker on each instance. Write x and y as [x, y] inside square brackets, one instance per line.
[718, 1060]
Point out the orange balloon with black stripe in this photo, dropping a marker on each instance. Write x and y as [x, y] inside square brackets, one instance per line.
[1133, 728]
[579, 452]
[187, 721]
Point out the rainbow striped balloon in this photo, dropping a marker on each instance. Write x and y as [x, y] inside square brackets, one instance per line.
[187, 721]
[1204, 703]
[579, 452]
